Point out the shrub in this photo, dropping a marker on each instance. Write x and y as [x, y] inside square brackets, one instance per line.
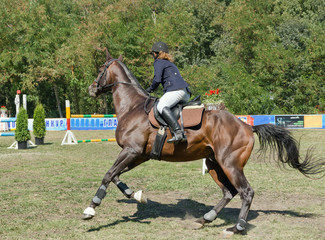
[22, 133]
[39, 129]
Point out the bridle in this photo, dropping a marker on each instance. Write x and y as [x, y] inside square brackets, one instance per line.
[108, 86]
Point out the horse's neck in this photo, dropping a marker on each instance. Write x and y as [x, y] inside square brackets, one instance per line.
[129, 96]
[126, 98]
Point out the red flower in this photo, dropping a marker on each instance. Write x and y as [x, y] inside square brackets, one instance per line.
[211, 92]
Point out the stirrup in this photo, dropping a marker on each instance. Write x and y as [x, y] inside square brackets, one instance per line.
[178, 137]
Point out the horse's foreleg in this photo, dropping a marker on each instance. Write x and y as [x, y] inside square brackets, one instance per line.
[128, 192]
[229, 191]
[126, 156]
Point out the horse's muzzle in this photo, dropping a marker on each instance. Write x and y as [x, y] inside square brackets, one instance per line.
[92, 90]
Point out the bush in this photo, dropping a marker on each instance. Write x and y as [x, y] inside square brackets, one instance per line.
[22, 133]
[39, 129]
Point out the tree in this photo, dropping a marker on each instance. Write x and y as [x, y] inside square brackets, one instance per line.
[39, 129]
[22, 133]
[267, 55]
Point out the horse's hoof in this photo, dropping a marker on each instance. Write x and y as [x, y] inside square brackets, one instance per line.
[197, 225]
[231, 231]
[227, 234]
[87, 217]
[140, 197]
[89, 213]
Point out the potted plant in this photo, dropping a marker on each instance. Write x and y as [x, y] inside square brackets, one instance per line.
[22, 134]
[3, 111]
[213, 101]
[39, 128]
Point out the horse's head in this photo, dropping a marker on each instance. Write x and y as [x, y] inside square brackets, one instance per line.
[103, 82]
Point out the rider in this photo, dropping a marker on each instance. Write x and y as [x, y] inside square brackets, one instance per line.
[175, 88]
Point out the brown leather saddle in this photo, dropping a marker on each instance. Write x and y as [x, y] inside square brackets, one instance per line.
[188, 114]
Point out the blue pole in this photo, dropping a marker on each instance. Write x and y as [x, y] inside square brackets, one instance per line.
[4, 134]
[7, 119]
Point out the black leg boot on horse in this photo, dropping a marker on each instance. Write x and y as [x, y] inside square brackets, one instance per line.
[179, 135]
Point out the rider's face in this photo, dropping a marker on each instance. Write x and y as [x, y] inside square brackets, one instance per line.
[154, 55]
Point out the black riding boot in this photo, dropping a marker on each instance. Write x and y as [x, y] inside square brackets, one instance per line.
[169, 117]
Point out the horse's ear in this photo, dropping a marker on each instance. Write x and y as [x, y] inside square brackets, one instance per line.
[120, 57]
[108, 56]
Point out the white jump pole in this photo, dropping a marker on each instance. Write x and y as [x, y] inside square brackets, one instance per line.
[204, 167]
[25, 101]
[17, 102]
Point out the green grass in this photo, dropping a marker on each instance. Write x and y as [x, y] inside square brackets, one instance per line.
[44, 191]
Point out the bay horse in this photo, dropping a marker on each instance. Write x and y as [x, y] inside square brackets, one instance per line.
[223, 140]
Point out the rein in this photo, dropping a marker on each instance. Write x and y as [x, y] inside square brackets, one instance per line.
[112, 84]
[146, 107]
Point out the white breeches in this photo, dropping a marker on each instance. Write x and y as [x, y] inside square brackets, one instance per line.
[170, 99]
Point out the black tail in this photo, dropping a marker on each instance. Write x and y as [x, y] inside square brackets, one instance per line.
[280, 139]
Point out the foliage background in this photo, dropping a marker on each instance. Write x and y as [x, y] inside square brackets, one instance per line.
[266, 57]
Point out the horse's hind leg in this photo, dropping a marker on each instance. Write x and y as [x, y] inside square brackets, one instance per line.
[229, 191]
[246, 193]
[229, 172]
[233, 169]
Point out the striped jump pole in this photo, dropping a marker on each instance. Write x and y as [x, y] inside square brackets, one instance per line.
[93, 115]
[97, 140]
[69, 137]
[67, 113]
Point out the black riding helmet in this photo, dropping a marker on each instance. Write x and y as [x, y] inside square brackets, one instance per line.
[159, 46]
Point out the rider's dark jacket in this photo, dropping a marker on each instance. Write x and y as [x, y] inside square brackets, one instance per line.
[168, 75]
